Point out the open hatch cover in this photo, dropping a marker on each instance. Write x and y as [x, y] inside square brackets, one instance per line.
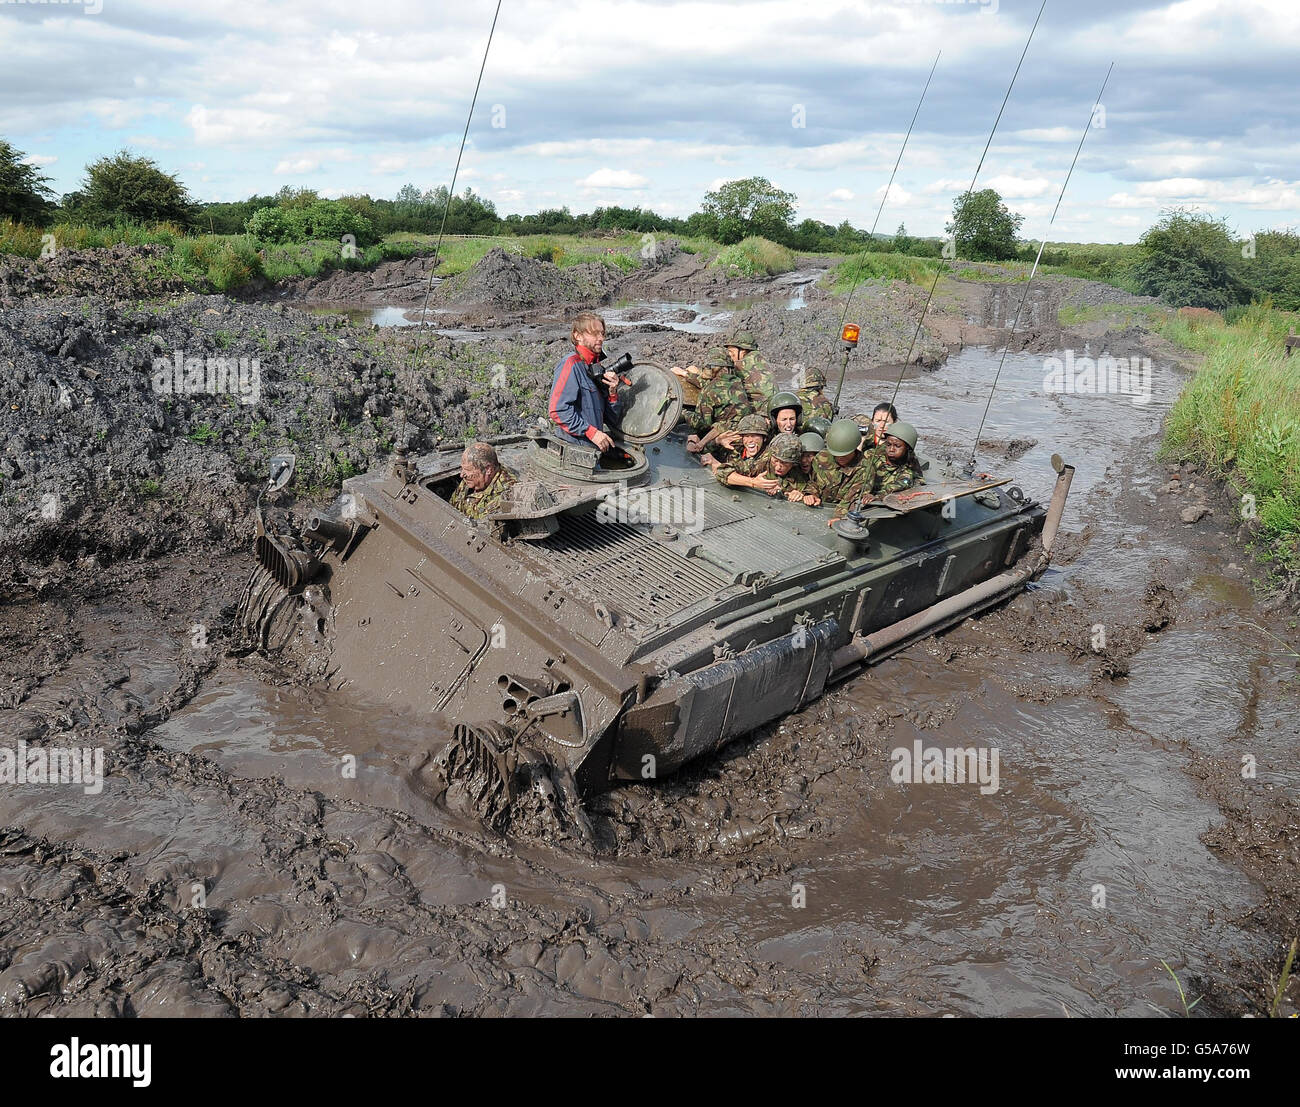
[652, 403]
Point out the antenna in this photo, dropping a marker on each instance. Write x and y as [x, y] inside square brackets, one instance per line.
[844, 314]
[451, 191]
[915, 334]
[1016, 321]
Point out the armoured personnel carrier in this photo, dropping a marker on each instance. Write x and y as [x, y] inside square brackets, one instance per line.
[625, 613]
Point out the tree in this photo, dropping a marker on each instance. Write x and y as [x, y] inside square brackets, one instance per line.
[1191, 260]
[982, 228]
[902, 242]
[25, 195]
[753, 205]
[129, 187]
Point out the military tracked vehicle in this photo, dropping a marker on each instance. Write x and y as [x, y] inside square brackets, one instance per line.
[623, 614]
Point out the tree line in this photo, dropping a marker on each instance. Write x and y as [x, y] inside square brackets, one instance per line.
[1186, 258]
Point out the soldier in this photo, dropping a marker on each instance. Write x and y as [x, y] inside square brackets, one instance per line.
[775, 471]
[889, 468]
[814, 401]
[743, 350]
[723, 400]
[786, 412]
[818, 424]
[810, 445]
[582, 403]
[484, 482]
[835, 468]
[751, 433]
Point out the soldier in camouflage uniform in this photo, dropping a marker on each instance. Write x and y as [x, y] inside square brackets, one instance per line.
[752, 432]
[776, 471]
[833, 470]
[813, 399]
[484, 483]
[759, 381]
[723, 398]
[890, 467]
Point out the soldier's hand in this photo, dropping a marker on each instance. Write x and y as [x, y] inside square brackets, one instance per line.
[602, 441]
[812, 499]
[793, 495]
[767, 484]
[693, 443]
[728, 439]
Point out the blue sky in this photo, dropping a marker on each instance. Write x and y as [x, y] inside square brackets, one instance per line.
[653, 102]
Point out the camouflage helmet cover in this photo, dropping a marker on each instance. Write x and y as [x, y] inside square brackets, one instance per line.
[744, 340]
[753, 424]
[786, 447]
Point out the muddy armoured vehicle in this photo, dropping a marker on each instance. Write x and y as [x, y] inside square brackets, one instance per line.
[622, 614]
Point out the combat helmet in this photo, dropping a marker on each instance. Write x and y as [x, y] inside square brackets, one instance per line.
[810, 442]
[716, 358]
[743, 340]
[905, 432]
[843, 438]
[784, 400]
[814, 378]
[786, 447]
[753, 424]
[819, 424]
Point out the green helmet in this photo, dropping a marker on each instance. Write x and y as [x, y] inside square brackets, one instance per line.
[843, 438]
[744, 340]
[783, 400]
[786, 447]
[716, 358]
[753, 424]
[814, 378]
[819, 424]
[905, 432]
[811, 442]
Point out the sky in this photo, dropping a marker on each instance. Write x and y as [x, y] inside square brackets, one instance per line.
[652, 103]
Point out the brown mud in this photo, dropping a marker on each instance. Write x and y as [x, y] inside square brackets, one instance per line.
[263, 847]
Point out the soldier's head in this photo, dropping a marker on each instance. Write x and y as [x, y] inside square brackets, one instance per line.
[715, 362]
[900, 441]
[753, 435]
[588, 330]
[739, 344]
[786, 412]
[883, 415]
[478, 465]
[785, 452]
[842, 442]
[810, 445]
[814, 378]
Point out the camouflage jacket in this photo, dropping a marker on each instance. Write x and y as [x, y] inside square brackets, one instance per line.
[815, 403]
[830, 479]
[722, 400]
[876, 477]
[761, 466]
[476, 505]
[759, 381]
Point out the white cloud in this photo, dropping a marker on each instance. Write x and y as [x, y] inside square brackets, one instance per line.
[1017, 188]
[842, 194]
[289, 167]
[613, 178]
[39, 160]
[393, 164]
[220, 126]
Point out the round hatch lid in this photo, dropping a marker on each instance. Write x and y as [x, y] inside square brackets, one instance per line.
[652, 403]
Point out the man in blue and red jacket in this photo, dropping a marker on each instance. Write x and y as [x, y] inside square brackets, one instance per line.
[579, 406]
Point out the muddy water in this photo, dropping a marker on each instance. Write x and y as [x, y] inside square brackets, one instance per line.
[789, 875]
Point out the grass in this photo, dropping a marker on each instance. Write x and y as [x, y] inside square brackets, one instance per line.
[755, 257]
[1182, 995]
[872, 266]
[1239, 418]
[459, 254]
[1281, 984]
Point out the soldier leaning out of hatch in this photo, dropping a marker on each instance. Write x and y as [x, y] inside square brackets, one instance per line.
[813, 399]
[484, 481]
[742, 348]
[775, 471]
[581, 404]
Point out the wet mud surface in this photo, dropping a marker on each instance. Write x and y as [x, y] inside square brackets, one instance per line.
[261, 847]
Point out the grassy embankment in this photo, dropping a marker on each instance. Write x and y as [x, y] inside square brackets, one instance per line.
[1239, 417]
